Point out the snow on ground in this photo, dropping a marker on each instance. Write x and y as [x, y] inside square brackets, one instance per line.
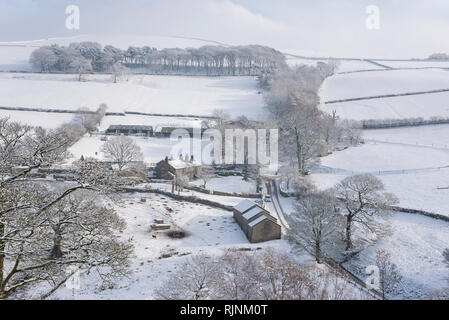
[153, 149]
[424, 106]
[143, 93]
[415, 64]
[229, 184]
[432, 136]
[380, 157]
[416, 244]
[412, 173]
[45, 120]
[364, 84]
[210, 231]
[417, 190]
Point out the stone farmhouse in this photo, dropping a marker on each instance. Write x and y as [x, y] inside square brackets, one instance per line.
[168, 168]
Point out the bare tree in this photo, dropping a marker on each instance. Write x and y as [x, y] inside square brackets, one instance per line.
[122, 150]
[118, 70]
[316, 222]
[194, 280]
[292, 102]
[206, 174]
[388, 272]
[221, 116]
[181, 182]
[266, 275]
[363, 196]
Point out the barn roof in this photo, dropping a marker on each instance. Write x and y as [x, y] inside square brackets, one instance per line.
[129, 127]
[253, 212]
[244, 205]
[257, 221]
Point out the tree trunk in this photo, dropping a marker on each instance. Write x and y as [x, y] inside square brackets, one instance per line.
[348, 232]
[2, 260]
[318, 252]
[56, 252]
[298, 153]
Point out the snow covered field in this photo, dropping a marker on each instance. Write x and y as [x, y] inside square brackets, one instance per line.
[365, 84]
[383, 157]
[431, 136]
[425, 106]
[45, 120]
[229, 184]
[143, 93]
[412, 173]
[415, 64]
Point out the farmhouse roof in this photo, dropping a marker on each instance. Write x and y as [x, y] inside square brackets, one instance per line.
[180, 164]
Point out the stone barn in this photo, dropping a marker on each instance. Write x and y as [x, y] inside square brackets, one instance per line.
[256, 222]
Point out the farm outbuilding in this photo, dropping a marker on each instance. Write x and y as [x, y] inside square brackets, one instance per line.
[130, 130]
[256, 222]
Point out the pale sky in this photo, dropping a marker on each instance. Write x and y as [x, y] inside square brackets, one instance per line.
[408, 28]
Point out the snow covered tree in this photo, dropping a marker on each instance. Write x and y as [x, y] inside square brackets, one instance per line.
[316, 222]
[363, 196]
[262, 275]
[44, 59]
[33, 249]
[118, 70]
[194, 281]
[80, 65]
[122, 150]
[388, 272]
[292, 101]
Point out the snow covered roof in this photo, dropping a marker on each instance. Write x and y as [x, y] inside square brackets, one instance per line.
[258, 220]
[179, 164]
[253, 212]
[244, 205]
[129, 127]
